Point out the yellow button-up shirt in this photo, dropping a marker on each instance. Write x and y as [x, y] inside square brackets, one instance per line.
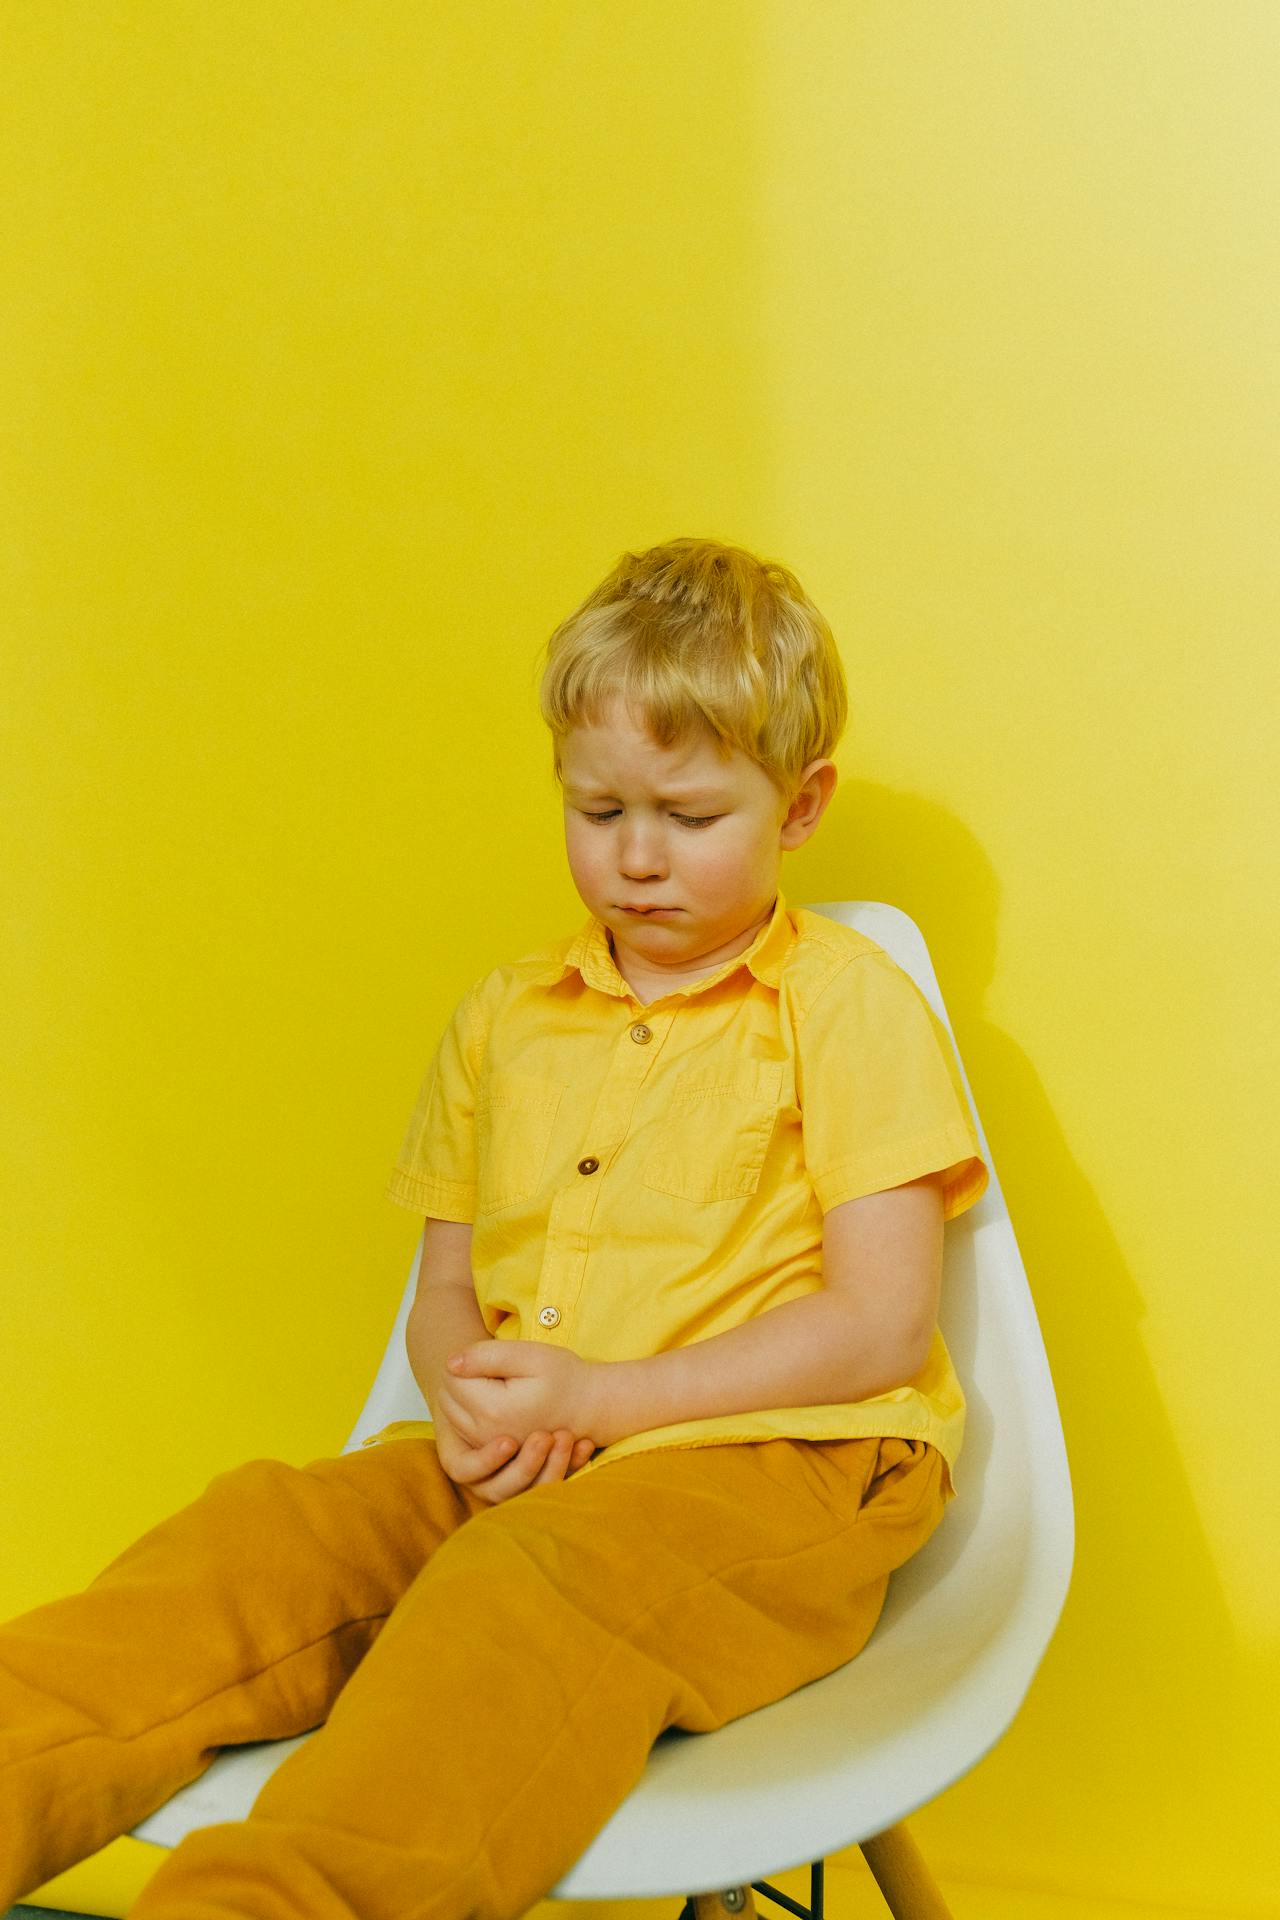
[640, 1177]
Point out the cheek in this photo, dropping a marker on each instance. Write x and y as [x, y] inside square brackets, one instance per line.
[713, 873]
[725, 859]
[725, 875]
[584, 856]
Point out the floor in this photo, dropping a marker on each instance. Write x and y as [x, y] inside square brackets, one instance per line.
[850, 1895]
[40, 1913]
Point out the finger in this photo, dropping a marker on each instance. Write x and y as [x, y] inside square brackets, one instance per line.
[484, 1360]
[460, 1418]
[482, 1462]
[557, 1460]
[520, 1472]
[450, 1402]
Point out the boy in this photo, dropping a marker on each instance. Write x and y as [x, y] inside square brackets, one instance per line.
[683, 1179]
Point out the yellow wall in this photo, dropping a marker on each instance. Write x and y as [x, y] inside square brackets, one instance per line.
[350, 345]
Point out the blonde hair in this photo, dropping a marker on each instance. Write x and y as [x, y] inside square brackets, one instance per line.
[696, 634]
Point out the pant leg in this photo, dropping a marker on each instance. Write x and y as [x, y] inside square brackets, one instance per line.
[238, 1618]
[510, 1702]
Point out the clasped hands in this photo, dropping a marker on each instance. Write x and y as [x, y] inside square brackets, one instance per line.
[520, 1390]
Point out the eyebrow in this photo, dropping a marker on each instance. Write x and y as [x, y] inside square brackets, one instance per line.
[685, 797]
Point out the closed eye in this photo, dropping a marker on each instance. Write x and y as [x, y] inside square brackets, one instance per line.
[685, 819]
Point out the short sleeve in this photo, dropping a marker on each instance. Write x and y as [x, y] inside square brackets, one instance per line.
[435, 1169]
[881, 1097]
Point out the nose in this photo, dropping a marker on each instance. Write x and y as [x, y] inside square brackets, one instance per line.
[640, 855]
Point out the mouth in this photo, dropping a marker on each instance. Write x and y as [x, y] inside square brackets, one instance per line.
[650, 913]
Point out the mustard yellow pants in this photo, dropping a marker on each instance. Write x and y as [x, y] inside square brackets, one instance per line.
[487, 1680]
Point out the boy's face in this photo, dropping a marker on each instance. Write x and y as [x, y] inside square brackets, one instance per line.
[628, 808]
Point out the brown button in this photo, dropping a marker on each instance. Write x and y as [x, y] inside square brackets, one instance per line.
[641, 1034]
[588, 1165]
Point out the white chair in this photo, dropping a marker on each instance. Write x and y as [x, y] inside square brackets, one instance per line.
[845, 1759]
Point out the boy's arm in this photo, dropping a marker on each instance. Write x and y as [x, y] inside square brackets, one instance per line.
[867, 1331]
[445, 1314]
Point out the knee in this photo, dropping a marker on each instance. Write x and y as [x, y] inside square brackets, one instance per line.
[251, 1499]
[250, 1475]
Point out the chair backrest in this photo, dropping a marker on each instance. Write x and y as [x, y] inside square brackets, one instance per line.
[997, 1572]
[395, 1394]
[1008, 1541]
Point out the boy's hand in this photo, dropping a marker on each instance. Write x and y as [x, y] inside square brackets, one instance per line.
[517, 1388]
[502, 1468]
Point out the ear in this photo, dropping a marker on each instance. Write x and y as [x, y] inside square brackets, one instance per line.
[816, 785]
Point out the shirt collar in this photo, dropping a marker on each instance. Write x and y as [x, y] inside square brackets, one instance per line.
[587, 952]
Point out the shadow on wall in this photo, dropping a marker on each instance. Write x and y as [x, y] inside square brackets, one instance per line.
[1138, 1532]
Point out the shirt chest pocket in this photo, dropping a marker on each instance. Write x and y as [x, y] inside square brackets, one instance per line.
[515, 1113]
[715, 1133]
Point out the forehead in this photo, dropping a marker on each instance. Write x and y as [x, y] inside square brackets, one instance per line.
[619, 750]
